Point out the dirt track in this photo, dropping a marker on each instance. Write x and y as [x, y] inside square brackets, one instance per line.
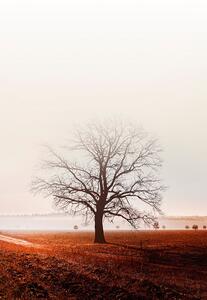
[12, 240]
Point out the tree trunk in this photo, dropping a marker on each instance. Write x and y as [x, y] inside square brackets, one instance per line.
[99, 232]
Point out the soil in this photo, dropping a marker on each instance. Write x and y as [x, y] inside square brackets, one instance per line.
[132, 265]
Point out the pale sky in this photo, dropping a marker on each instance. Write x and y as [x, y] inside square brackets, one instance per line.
[71, 61]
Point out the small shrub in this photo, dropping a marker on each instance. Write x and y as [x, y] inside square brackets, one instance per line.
[195, 227]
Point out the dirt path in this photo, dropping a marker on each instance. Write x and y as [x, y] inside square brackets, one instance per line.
[12, 240]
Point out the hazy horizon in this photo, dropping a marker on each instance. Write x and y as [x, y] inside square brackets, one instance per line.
[66, 223]
[65, 63]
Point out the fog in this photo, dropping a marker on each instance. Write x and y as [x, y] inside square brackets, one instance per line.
[58, 222]
[67, 62]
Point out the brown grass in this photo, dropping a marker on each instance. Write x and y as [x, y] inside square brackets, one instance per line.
[133, 265]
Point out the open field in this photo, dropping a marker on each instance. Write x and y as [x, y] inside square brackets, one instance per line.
[133, 265]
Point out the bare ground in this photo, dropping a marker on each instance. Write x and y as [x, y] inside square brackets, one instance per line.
[133, 265]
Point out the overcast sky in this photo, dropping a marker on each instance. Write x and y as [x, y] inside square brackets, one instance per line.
[71, 61]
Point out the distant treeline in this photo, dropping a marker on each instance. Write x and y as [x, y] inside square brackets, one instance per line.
[183, 218]
[35, 215]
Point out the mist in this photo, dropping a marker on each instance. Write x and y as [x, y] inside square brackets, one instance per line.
[65, 63]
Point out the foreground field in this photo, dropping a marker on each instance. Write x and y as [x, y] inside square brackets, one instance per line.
[133, 265]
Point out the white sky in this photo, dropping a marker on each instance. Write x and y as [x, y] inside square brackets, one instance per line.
[69, 61]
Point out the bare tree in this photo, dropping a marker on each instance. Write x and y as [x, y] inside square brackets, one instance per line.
[118, 171]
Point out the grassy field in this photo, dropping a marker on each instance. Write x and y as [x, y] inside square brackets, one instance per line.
[133, 265]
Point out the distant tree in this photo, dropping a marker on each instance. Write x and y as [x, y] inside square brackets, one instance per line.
[156, 225]
[204, 227]
[119, 171]
[163, 226]
[117, 227]
[195, 227]
[75, 227]
[187, 227]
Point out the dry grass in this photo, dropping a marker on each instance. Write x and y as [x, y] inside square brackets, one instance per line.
[133, 265]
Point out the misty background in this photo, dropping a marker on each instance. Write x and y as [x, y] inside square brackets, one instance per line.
[65, 62]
